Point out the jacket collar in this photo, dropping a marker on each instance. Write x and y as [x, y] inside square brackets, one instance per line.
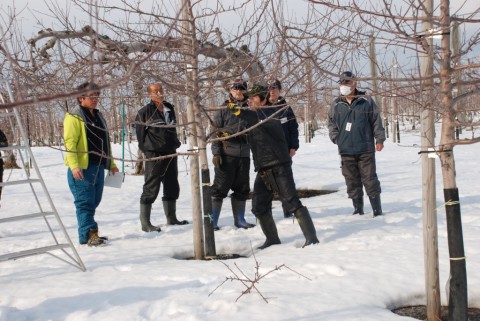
[358, 94]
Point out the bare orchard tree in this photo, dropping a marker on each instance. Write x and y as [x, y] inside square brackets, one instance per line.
[400, 26]
[151, 50]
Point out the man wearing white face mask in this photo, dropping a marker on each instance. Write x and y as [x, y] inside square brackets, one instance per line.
[355, 125]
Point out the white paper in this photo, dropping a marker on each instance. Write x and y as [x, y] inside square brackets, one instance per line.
[432, 153]
[114, 180]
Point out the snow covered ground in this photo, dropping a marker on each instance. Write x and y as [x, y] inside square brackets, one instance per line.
[362, 268]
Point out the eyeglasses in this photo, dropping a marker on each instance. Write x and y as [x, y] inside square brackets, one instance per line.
[92, 96]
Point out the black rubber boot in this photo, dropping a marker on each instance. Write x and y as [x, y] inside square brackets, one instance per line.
[238, 209]
[145, 210]
[170, 209]
[216, 209]
[376, 205]
[305, 221]
[269, 229]
[358, 206]
[286, 214]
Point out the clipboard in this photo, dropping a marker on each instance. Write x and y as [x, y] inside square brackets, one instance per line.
[114, 181]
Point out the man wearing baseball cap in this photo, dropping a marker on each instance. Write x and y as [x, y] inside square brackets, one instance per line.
[287, 119]
[355, 125]
[231, 158]
[273, 165]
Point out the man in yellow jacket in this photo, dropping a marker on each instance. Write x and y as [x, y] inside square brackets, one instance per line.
[88, 155]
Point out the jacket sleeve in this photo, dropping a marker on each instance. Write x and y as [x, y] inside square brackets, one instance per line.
[173, 113]
[3, 139]
[377, 126]
[218, 124]
[173, 119]
[140, 130]
[332, 125]
[71, 135]
[292, 129]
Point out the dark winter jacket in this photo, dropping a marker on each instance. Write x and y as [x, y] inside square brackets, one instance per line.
[226, 123]
[355, 127]
[289, 123]
[267, 141]
[151, 135]
[3, 141]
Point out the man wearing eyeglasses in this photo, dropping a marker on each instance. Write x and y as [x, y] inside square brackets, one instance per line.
[88, 155]
[231, 158]
[355, 125]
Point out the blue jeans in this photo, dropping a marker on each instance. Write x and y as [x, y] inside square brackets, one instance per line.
[87, 194]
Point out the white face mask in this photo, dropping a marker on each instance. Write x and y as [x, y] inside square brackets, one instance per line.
[345, 90]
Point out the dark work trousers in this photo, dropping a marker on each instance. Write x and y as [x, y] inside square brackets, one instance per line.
[359, 171]
[233, 174]
[282, 177]
[157, 172]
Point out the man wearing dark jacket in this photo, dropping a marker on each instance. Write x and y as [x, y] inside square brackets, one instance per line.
[231, 158]
[273, 165]
[355, 125]
[3, 143]
[286, 117]
[157, 137]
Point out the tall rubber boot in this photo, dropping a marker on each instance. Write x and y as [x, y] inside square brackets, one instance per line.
[305, 221]
[269, 229]
[286, 214]
[238, 209]
[358, 206]
[216, 209]
[376, 205]
[145, 210]
[170, 209]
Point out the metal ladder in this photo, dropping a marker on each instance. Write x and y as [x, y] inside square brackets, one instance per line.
[72, 258]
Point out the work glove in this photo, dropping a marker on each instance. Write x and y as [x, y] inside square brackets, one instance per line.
[217, 161]
[224, 142]
[233, 108]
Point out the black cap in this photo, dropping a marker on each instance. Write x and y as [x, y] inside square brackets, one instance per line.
[239, 84]
[274, 83]
[346, 76]
[258, 90]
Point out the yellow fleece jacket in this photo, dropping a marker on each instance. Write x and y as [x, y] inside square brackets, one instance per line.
[75, 138]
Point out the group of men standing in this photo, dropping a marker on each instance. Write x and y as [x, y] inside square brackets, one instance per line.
[231, 156]
[354, 125]
[272, 144]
